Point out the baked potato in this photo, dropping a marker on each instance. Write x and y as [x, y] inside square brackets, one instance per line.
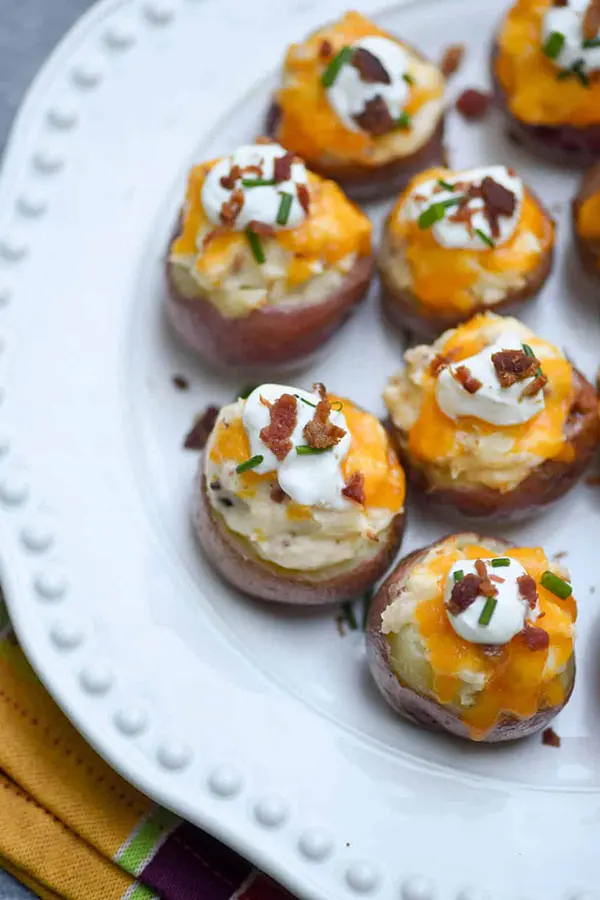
[299, 497]
[360, 106]
[268, 259]
[449, 653]
[586, 220]
[492, 420]
[545, 65]
[458, 243]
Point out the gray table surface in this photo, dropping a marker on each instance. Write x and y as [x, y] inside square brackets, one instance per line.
[29, 29]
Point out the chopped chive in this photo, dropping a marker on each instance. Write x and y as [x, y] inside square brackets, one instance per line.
[403, 120]
[332, 70]
[308, 403]
[488, 611]
[256, 246]
[408, 78]
[500, 561]
[349, 615]
[436, 211]
[577, 69]
[246, 391]
[305, 450]
[445, 184]
[484, 237]
[257, 182]
[527, 349]
[556, 585]
[458, 575]
[591, 42]
[554, 44]
[285, 206]
[337, 406]
[366, 606]
[251, 463]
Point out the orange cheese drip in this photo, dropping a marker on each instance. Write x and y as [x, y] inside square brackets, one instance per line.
[370, 453]
[442, 277]
[534, 93]
[434, 436]
[308, 124]
[514, 680]
[334, 229]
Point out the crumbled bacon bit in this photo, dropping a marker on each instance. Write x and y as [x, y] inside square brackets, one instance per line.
[496, 579]
[464, 593]
[303, 197]
[277, 494]
[231, 208]
[263, 400]
[252, 169]
[486, 587]
[513, 365]
[452, 59]
[282, 167]
[550, 738]
[528, 590]
[276, 435]
[591, 20]
[320, 389]
[325, 49]
[473, 104]
[355, 488]
[536, 638]
[214, 233]
[498, 201]
[320, 433]
[199, 434]
[261, 228]
[462, 374]
[375, 117]
[440, 361]
[369, 67]
[228, 181]
[538, 384]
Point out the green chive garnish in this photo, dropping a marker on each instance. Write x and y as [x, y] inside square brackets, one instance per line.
[556, 585]
[436, 211]
[285, 206]
[246, 391]
[529, 352]
[251, 463]
[349, 615]
[445, 184]
[501, 561]
[408, 78]
[591, 42]
[366, 606]
[337, 406]
[256, 246]
[488, 611]
[576, 69]
[305, 450]
[554, 44]
[458, 575]
[484, 237]
[403, 120]
[308, 403]
[257, 182]
[332, 70]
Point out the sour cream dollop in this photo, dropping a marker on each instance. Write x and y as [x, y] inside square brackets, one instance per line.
[261, 203]
[349, 94]
[312, 479]
[568, 22]
[510, 613]
[457, 235]
[491, 403]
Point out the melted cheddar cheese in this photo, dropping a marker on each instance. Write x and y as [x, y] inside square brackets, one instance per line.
[450, 280]
[529, 79]
[588, 221]
[310, 127]
[516, 683]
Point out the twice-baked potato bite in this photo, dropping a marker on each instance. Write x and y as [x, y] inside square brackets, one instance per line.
[458, 243]
[360, 106]
[546, 71]
[474, 636]
[491, 420]
[268, 259]
[300, 496]
[586, 220]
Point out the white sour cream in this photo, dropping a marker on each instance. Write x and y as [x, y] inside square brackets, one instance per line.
[261, 203]
[312, 479]
[510, 613]
[456, 235]
[568, 21]
[492, 403]
[348, 94]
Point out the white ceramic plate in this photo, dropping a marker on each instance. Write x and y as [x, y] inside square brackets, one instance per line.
[259, 725]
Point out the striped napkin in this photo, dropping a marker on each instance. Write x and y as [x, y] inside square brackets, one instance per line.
[71, 828]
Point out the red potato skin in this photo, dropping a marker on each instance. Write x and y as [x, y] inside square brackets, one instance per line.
[589, 251]
[270, 336]
[546, 484]
[365, 183]
[561, 144]
[403, 309]
[238, 564]
[423, 710]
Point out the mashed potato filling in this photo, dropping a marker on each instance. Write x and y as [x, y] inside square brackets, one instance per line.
[467, 451]
[481, 687]
[306, 538]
